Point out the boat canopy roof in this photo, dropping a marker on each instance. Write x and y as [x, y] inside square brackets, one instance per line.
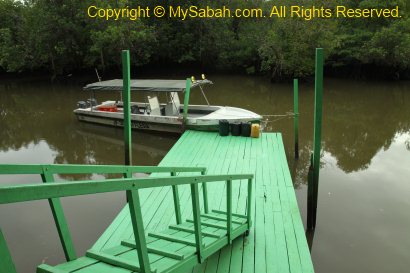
[145, 85]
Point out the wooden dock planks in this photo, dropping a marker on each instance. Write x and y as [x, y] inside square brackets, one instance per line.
[276, 242]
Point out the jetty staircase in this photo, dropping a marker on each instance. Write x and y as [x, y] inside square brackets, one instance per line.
[176, 249]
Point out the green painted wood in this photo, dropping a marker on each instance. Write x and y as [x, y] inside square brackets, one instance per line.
[77, 264]
[138, 228]
[229, 210]
[114, 260]
[277, 253]
[317, 139]
[233, 214]
[186, 98]
[6, 264]
[165, 253]
[296, 115]
[281, 235]
[153, 203]
[126, 96]
[249, 204]
[155, 250]
[191, 230]
[44, 268]
[172, 238]
[177, 205]
[85, 169]
[60, 220]
[197, 221]
[205, 194]
[31, 192]
[208, 224]
[318, 111]
[220, 218]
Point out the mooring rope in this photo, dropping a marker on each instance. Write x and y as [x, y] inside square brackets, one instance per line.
[278, 117]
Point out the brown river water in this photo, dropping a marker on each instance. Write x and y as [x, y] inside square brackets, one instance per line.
[364, 191]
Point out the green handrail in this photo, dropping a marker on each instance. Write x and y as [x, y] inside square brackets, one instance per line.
[31, 192]
[83, 169]
[47, 172]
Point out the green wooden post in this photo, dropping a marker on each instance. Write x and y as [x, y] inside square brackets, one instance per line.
[197, 220]
[59, 219]
[138, 228]
[177, 206]
[126, 96]
[249, 204]
[6, 263]
[296, 115]
[317, 137]
[205, 194]
[229, 210]
[186, 98]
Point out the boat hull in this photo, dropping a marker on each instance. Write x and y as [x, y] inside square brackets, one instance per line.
[173, 124]
[135, 124]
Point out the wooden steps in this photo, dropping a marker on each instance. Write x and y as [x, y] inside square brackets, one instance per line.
[169, 250]
[276, 242]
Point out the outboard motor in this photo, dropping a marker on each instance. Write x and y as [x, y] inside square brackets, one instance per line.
[82, 104]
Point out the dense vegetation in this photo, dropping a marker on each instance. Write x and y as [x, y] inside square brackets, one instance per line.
[57, 36]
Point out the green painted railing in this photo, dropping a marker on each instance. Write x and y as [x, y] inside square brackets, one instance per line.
[53, 191]
[47, 173]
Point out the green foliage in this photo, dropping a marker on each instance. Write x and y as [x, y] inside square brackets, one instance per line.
[58, 36]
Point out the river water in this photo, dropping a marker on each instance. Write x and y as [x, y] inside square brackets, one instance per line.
[363, 219]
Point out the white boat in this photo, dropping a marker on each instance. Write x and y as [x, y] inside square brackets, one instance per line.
[170, 116]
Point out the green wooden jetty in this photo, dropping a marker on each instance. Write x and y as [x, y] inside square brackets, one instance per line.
[250, 221]
[276, 242]
[213, 205]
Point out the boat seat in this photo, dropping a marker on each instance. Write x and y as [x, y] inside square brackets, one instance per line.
[172, 107]
[154, 106]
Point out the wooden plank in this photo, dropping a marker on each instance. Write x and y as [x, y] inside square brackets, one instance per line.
[197, 221]
[214, 217]
[279, 259]
[171, 238]
[31, 192]
[233, 214]
[155, 250]
[208, 224]
[237, 246]
[77, 264]
[191, 230]
[277, 233]
[45, 268]
[248, 263]
[6, 264]
[138, 228]
[232, 153]
[60, 221]
[292, 249]
[114, 260]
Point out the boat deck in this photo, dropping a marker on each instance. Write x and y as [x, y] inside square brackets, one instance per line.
[276, 242]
